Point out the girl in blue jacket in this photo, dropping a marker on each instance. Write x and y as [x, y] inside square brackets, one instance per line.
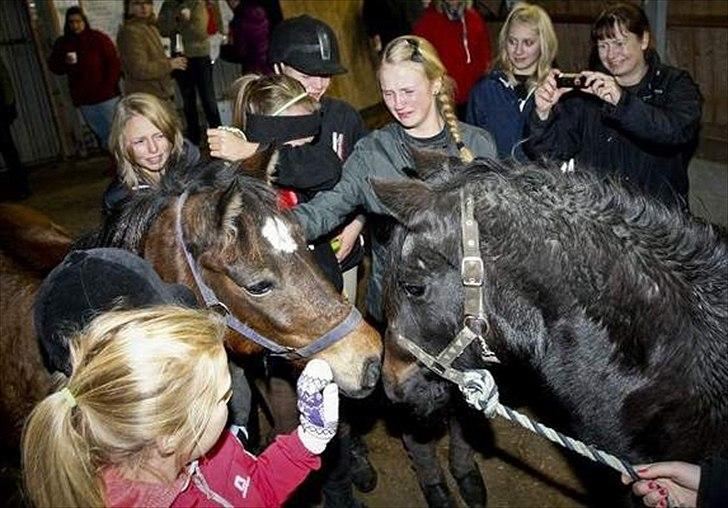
[502, 100]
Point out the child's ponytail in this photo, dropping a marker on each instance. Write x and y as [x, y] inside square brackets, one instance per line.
[239, 91]
[58, 467]
[138, 375]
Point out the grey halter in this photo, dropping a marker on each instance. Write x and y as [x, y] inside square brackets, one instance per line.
[475, 322]
[337, 333]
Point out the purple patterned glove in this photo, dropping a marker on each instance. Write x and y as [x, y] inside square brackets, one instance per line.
[318, 403]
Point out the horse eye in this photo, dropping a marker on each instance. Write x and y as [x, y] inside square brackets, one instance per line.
[413, 289]
[259, 288]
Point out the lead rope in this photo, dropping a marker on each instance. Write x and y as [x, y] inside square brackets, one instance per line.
[481, 392]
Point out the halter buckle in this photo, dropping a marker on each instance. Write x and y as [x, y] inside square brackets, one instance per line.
[472, 271]
[477, 324]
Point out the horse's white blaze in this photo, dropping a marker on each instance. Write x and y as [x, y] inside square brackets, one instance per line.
[278, 235]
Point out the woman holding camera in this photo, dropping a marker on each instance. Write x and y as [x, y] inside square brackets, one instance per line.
[636, 117]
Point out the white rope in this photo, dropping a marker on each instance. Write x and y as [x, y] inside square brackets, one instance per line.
[481, 392]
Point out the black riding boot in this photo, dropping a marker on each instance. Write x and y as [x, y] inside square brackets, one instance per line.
[337, 487]
[363, 474]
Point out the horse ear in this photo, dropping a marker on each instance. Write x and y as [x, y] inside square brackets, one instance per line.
[406, 200]
[432, 165]
[230, 207]
[261, 164]
[428, 163]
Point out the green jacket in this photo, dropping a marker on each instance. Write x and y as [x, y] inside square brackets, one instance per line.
[194, 32]
[145, 65]
[384, 155]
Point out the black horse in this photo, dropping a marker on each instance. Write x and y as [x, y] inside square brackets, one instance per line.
[618, 304]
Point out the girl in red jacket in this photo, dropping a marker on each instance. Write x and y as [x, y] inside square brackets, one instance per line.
[141, 421]
[461, 38]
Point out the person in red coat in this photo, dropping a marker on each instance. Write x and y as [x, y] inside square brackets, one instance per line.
[89, 58]
[141, 419]
[461, 38]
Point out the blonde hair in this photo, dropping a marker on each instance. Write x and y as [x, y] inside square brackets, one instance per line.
[138, 376]
[419, 52]
[265, 95]
[154, 110]
[538, 18]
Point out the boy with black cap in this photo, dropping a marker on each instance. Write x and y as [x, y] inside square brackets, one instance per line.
[307, 50]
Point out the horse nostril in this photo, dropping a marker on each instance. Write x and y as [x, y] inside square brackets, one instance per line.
[372, 369]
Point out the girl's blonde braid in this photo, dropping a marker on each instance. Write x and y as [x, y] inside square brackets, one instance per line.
[448, 114]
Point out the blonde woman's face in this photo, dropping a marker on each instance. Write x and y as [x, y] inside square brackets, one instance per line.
[523, 47]
[409, 96]
[147, 144]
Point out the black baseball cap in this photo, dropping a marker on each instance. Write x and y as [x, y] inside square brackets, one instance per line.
[89, 282]
[306, 44]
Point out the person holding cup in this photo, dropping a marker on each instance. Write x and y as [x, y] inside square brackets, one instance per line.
[147, 68]
[89, 59]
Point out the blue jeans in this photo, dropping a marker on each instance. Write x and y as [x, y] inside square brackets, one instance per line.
[98, 117]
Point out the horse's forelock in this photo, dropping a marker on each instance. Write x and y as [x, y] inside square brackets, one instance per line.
[127, 226]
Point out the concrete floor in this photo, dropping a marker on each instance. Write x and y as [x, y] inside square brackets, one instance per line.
[520, 468]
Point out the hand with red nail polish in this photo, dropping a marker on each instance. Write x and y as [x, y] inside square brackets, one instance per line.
[661, 483]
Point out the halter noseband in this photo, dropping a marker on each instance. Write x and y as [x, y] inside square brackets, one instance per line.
[475, 322]
[212, 302]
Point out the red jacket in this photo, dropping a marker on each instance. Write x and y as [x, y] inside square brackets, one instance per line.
[95, 76]
[466, 58]
[226, 476]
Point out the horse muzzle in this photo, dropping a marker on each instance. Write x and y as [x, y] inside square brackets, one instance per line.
[356, 361]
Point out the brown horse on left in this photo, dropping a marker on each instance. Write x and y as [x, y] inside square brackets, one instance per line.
[30, 246]
[249, 252]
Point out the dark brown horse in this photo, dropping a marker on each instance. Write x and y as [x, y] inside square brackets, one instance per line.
[249, 253]
[618, 304]
[252, 255]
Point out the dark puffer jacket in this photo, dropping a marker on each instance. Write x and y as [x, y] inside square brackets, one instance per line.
[116, 194]
[495, 106]
[647, 138]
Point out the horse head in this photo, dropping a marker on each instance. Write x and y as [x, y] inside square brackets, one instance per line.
[227, 233]
[421, 292]
[425, 288]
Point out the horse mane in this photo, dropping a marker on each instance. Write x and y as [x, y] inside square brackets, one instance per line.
[127, 226]
[655, 257]
[642, 223]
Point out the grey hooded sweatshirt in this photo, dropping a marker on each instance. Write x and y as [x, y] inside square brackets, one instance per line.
[383, 154]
